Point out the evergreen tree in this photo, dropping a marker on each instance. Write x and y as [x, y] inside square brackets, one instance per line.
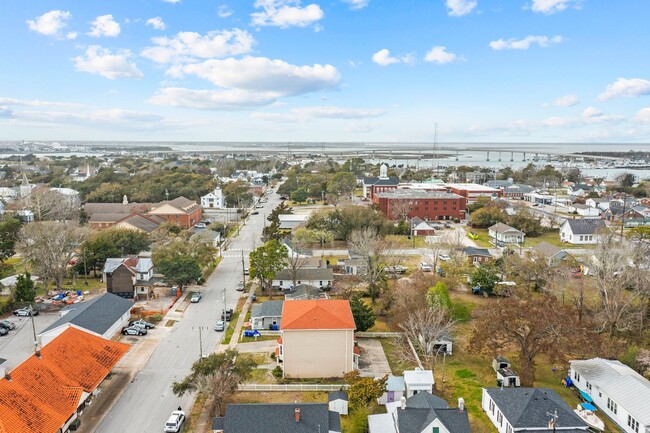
[25, 291]
[363, 315]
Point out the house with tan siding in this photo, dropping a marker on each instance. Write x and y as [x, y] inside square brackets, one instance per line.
[317, 339]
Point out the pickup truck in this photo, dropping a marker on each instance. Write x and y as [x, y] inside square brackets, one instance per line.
[226, 315]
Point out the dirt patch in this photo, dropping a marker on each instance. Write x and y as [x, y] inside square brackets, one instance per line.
[170, 322]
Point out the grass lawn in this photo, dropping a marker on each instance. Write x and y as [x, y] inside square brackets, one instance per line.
[405, 242]
[483, 237]
[279, 397]
[260, 338]
[231, 328]
[392, 351]
[553, 238]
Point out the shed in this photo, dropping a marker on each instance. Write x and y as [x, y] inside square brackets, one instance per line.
[395, 388]
[338, 402]
[444, 344]
[418, 380]
[500, 362]
[507, 377]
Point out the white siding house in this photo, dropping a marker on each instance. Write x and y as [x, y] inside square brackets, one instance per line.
[502, 234]
[417, 381]
[581, 231]
[213, 200]
[618, 391]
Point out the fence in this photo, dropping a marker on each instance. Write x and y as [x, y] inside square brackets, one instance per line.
[378, 334]
[262, 387]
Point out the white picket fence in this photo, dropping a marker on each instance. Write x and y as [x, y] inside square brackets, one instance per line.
[378, 334]
[264, 387]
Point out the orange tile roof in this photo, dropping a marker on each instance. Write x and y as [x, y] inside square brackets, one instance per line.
[44, 392]
[317, 314]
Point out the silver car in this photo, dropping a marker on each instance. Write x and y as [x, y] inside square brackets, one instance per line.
[220, 325]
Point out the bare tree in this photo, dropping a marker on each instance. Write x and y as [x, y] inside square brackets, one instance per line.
[49, 205]
[422, 332]
[296, 259]
[400, 209]
[369, 245]
[49, 247]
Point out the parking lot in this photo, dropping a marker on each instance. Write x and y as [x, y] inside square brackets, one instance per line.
[18, 345]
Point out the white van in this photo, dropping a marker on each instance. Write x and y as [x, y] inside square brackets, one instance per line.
[426, 267]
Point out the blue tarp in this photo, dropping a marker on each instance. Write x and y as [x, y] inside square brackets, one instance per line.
[586, 397]
[588, 406]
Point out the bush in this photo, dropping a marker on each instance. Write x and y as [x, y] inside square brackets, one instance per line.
[358, 420]
[273, 356]
[277, 372]
[156, 317]
[460, 312]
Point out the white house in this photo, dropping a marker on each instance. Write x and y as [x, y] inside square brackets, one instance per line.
[581, 231]
[418, 380]
[529, 409]
[601, 203]
[618, 391]
[584, 210]
[317, 277]
[502, 234]
[267, 315]
[213, 200]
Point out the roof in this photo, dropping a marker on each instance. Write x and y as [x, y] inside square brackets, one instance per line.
[146, 223]
[473, 251]
[507, 372]
[44, 392]
[426, 400]
[381, 423]
[528, 408]
[133, 264]
[267, 309]
[547, 249]
[309, 274]
[303, 291]
[317, 314]
[280, 418]
[337, 395]
[503, 228]
[585, 226]
[395, 383]
[416, 194]
[381, 180]
[625, 386]
[423, 408]
[418, 377]
[115, 208]
[97, 315]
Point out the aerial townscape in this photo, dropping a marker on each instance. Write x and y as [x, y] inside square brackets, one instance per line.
[298, 216]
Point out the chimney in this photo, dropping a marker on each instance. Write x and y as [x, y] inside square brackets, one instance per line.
[402, 402]
[8, 375]
[461, 404]
[297, 414]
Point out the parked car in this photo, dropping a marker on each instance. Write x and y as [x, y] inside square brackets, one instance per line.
[425, 267]
[227, 315]
[220, 325]
[25, 312]
[259, 206]
[134, 330]
[240, 286]
[246, 271]
[196, 297]
[472, 235]
[447, 225]
[201, 225]
[142, 324]
[175, 422]
[3, 332]
[5, 324]
[444, 257]
[255, 212]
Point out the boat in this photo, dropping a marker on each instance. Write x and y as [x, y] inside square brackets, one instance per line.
[586, 412]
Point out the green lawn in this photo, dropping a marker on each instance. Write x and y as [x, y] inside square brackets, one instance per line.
[405, 242]
[483, 237]
[231, 328]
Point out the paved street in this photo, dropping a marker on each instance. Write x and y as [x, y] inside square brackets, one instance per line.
[147, 402]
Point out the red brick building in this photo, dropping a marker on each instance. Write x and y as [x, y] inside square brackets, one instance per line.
[472, 191]
[426, 205]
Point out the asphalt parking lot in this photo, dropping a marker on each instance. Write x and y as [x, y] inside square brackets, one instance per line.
[18, 345]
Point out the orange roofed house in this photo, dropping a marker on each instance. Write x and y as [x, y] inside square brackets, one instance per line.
[317, 339]
[45, 393]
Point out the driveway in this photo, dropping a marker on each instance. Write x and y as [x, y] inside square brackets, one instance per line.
[373, 362]
[258, 346]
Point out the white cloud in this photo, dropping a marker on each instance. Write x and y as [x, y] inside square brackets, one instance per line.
[34, 103]
[104, 25]
[525, 43]
[5, 111]
[626, 87]
[185, 46]
[305, 114]
[383, 58]
[157, 23]
[108, 64]
[458, 8]
[549, 7]
[643, 115]
[211, 99]
[285, 13]
[71, 35]
[50, 23]
[261, 74]
[566, 101]
[172, 1]
[224, 11]
[591, 112]
[356, 4]
[440, 55]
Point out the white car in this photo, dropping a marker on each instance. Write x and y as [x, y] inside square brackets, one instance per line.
[425, 267]
[444, 257]
[175, 421]
[196, 297]
[220, 325]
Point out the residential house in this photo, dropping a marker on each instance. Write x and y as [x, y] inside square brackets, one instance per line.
[303, 292]
[317, 339]
[209, 235]
[266, 315]
[579, 190]
[583, 210]
[317, 277]
[502, 235]
[48, 391]
[618, 391]
[295, 251]
[129, 277]
[213, 200]
[103, 316]
[278, 418]
[418, 380]
[581, 231]
[356, 266]
[422, 413]
[529, 409]
[601, 203]
[477, 256]
[420, 227]
[395, 389]
[552, 253]
[338, 402]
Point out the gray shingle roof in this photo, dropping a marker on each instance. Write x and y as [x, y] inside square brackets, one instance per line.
[426, 400]
[280, 418]
[473, 251]
[303, 291]
[528, 408]
[96, 315]
[546, 249]
[306, 274]
[337, 395]
[502, 228]
[455, 420]
[586, 226]
[267, 309]
[423, 408]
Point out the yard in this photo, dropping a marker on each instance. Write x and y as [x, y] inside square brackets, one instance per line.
[404, 242]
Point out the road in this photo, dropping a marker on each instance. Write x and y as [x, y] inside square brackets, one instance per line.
[148, 400]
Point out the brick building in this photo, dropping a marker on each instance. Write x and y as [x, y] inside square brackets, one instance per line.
[426, 205]
[472, 191]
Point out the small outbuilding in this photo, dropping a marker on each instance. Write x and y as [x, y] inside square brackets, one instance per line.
[338, 402]
[506, 377]
[500, 362]
[418, 380]
[395, 389]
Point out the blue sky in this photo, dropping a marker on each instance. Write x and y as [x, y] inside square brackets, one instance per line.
[325, 70]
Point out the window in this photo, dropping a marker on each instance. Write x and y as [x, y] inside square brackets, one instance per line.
[611, 405]
[500, 418]
[436, 430]
[576, 376]
[632, 423]
[588, 386]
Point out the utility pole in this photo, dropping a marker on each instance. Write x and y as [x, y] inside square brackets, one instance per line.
[243, 268]
[31, 316]
[200, 342]
[623, 215]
